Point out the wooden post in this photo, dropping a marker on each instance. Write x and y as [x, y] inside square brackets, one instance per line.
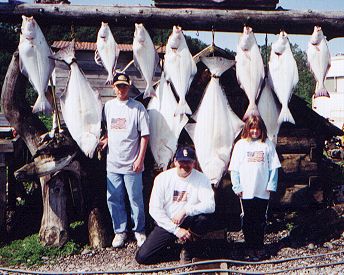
[54, 223]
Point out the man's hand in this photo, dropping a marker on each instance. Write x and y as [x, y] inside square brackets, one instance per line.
[179, 217]
[138, 165]
[183, 234]
[239, 194]
[103, 142]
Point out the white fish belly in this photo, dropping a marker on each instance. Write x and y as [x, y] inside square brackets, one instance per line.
[164, 126]
[81, 110]
[269, 111]
[283, 76]
[214, 132]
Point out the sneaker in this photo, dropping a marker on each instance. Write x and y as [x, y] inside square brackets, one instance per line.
[185, 256]
[140, 238]
[118, 240]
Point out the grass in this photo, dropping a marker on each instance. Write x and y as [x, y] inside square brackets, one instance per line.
[30, 252]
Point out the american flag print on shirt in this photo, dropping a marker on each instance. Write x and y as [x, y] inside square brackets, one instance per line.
[118, 123]
[256, 156]
[179, 196]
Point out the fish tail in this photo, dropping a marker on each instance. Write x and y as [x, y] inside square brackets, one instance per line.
[88, 144]
[285, 116]
[42, 105]
[252, 110]
[321, 92]
[109, 80]
[182, 108]
[149, 92]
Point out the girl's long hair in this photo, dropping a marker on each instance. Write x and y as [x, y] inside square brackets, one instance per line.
[254, 122]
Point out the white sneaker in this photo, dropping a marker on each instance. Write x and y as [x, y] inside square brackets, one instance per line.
[118, 240]
[141, 238]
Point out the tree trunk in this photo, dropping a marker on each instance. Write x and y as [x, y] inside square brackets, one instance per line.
[54, 223]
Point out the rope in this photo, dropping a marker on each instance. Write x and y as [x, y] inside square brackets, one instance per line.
[16, 271]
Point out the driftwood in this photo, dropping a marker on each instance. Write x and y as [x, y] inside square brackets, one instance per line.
[292, 21]
[54, 224]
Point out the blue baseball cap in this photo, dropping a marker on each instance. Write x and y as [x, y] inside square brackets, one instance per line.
[185, 153]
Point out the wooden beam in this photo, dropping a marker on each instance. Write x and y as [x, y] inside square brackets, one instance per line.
[294, 22]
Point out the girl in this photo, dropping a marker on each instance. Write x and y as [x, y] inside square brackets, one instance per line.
[254, 174]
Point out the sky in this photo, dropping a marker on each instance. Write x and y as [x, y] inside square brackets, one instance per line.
[230, 40]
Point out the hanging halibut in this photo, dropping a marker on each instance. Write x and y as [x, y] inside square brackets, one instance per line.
[180, 68]
[216, 124]
[34, 61]
[319, 59]
[107, 51]
[146, 57]
[269, 111]
[164, 126]
[283, 74]
[249, 69]
[80, 105]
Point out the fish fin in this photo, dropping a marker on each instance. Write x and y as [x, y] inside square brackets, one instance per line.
[88, 144]
[252, 109]
[182, 108]
[321, 92]
[109, 80]
[98, 59]
[149, 92]
[42, 105]
[285, 116]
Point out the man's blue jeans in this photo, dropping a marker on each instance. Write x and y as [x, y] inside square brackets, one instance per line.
[117, 185]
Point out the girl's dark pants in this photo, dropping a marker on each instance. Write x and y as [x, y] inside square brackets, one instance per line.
[152, 250]
[254, 222]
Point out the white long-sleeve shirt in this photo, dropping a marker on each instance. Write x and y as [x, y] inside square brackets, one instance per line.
[172, 193]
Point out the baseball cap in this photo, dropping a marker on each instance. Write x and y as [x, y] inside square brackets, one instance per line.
[185, 153]
[121, 78]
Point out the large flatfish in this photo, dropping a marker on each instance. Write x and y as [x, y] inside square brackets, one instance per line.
[80, 104]
[107, 51]
[164, 126]
[319, 59]
[146, 57]
[180, 68]
[249, 69]
[34, 61]
[269, 110]
[283, 74]
[216, 124]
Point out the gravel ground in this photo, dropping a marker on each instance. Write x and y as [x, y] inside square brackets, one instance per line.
[314, 236]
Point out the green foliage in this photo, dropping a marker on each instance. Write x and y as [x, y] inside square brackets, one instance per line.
[306, 85]
[47, 120]
[30, 252]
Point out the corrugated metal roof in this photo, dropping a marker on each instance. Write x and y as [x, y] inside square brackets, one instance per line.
[92, 46]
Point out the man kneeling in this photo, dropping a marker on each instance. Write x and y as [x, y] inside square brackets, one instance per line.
[181, 202]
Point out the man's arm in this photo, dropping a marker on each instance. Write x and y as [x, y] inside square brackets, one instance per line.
[138, 163]
[206, 204]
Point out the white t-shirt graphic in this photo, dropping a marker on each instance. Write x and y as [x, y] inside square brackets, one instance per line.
[253, 160]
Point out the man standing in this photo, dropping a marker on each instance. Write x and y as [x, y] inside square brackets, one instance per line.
[127, 139]
[181, 202]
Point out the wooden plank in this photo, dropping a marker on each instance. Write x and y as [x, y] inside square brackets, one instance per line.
[292, 21]
[6, 146]
[295, 144]
[224, 4]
